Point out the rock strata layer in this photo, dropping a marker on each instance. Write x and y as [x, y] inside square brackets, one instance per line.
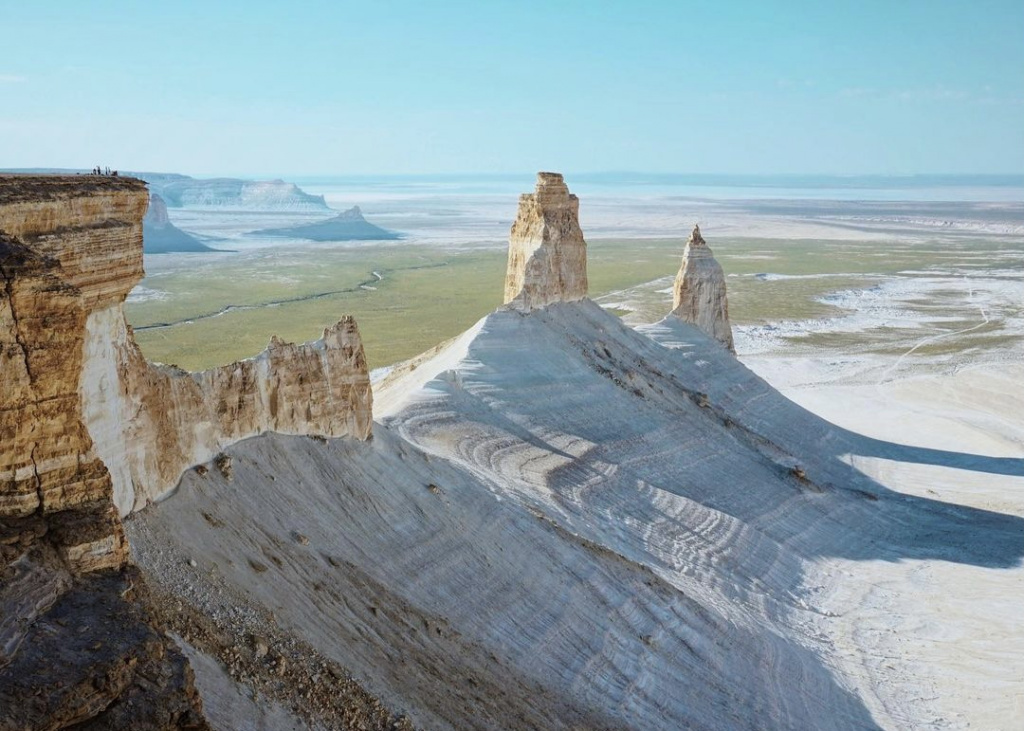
[698, 296]
[547, 256]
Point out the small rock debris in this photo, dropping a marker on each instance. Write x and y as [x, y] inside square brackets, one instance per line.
[223, 463]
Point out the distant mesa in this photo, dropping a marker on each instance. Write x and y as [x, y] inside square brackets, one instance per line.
[347, 226]
[160, 236]
[180, 191]
[698, 294]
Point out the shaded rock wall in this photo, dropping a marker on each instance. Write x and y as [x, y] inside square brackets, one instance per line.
[547, 256]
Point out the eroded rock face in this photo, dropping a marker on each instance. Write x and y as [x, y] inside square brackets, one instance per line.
[699, 291]
[251, 195]
[346, 226]
[131, 406]
[76, 644]
[96, 659]
[156, 214]
[67, 246]
[83, 413]
[547, 256]
[85, 420]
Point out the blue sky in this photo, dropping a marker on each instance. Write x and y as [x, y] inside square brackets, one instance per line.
[338, 88]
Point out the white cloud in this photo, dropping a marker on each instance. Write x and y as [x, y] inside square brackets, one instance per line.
[794, 83]
[936, 94]
[857, 92]
[926, 94]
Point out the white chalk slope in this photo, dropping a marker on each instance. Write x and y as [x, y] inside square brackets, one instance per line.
[562, 521]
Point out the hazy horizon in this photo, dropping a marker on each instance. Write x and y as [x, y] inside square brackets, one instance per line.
[639, 175]
[973, 188]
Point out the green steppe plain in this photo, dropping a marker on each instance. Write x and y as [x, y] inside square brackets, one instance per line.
[428, 295]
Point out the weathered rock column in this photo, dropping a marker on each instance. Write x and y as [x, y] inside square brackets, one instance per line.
[547, 256]
[699, 295]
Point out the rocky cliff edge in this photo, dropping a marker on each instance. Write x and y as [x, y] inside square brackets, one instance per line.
[90, 430]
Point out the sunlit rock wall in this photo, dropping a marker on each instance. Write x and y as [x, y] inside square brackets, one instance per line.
[547, 256]
[77, 644]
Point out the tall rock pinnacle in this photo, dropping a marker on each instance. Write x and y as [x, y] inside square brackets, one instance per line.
[547, 256]
[698, 296]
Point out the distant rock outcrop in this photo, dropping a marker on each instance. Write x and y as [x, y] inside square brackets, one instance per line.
[547, 256]
[346, 226]
[699, 291]
[232, 193]
[160, 236]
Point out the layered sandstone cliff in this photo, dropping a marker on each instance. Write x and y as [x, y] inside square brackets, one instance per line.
[77, 644]
[68, 246]
[147, 423]
[698, 295]
[547, 256]
[89, 429]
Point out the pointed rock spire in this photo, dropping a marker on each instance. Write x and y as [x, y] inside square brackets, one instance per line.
[699, 292]
[547, 256]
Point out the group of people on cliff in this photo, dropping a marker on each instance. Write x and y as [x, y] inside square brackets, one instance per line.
[104, 171]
